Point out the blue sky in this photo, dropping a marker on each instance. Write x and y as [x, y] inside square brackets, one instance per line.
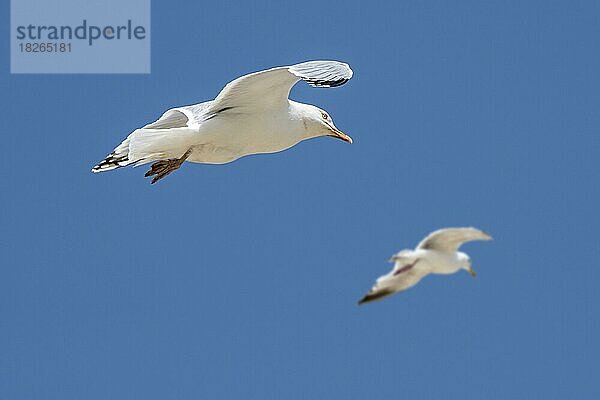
[241, 280]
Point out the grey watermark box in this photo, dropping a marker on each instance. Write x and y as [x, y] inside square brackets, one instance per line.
[74, 36]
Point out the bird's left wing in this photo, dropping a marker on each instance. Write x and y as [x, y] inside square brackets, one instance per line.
[450, 239]
[270, 88]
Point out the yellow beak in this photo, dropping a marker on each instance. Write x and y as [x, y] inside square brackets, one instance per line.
[336, 133]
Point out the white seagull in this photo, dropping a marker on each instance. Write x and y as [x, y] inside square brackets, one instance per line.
[436, 254]
[251, 115]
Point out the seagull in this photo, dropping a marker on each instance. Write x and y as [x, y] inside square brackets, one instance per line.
[251, 115]
[436, 254]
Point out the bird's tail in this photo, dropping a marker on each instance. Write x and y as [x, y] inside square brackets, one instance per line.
[119, 157]
[146, 145]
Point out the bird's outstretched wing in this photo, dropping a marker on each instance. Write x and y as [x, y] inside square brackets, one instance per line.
[270, 88]
[450, 239]
[402, 277]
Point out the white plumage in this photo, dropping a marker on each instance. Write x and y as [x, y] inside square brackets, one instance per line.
[436, 254]
[251, 115]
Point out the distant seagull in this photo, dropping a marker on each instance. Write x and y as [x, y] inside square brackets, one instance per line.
[251, 115]
[436, 254]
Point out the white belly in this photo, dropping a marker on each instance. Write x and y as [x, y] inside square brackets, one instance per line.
[442, 262]
[224, 139]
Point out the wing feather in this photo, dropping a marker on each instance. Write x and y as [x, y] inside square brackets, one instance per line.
[323, 73]
[450, 239]
[169, 120]
[270, 88]
[402, 277]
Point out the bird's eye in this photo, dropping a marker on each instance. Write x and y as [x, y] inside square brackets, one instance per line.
[325, 116]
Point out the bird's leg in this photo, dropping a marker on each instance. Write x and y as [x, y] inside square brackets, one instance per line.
[163, 168]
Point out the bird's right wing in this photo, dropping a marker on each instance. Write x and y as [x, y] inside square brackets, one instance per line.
[450, 239]
[270, 88]
[400, 278]
[169, 120]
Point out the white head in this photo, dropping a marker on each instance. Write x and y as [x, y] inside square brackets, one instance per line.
[318, 122]
[465, 263]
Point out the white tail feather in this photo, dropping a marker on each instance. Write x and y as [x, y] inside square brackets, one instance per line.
[146, 145]
[118, 158]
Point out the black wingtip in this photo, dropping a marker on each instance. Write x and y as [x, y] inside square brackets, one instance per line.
[326, 83]
[372, 296]
[365, 299]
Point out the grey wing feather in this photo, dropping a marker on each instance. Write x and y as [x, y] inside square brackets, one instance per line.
[323, 73]
[450, 239]
[169, 120]
[199, 113]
